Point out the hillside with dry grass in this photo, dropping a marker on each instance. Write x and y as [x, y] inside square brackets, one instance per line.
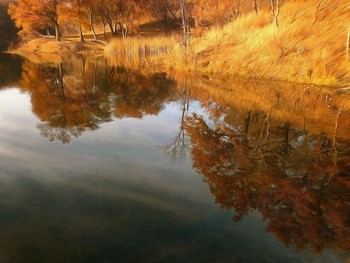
[308, 46]
[297, 41]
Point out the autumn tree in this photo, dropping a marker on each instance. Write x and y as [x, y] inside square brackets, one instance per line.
[91, 10]
[74, 12]
[211, 12]
[36, 14]
[165, 9]
[108, 10]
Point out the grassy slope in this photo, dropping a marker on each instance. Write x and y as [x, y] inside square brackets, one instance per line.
[50, 46]
[300, 50]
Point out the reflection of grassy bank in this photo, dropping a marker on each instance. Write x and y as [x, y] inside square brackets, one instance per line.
[312, 108]
[307, 47]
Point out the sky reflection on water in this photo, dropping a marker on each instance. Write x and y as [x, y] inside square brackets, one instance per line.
[109, 193]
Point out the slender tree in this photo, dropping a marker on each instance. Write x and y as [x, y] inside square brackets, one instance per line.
[348, 42]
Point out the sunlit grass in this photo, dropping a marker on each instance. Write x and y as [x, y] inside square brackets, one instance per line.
[299, 50]
[143, 50]
[305, 48]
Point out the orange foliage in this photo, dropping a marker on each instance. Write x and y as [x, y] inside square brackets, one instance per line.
[72, 97]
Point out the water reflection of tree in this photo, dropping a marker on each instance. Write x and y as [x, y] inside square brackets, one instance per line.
[72, 97]
[177, 149]
[10, 69]
[282, 172]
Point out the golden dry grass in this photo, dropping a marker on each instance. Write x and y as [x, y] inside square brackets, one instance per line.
[308, 47]
[301, 49]
[143, 50]
[50, 46]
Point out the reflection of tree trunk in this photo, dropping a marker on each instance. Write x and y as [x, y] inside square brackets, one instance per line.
[335, 160]
[336, 127]
[176, 150]
[286, 135]
[95, 74]
[268, 125]
[60, 78]
[57, 83]
[83, 67]
[247, 122]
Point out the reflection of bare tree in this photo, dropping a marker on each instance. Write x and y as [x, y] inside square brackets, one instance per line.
[286, 179]
[177, 149]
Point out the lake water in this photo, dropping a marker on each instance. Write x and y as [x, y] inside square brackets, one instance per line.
[100, 163]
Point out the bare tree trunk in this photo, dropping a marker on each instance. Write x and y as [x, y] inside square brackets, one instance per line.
[255, 6]
[91, 22]
[185, 27]
[115, 28]
[348, 42]
[166, 18]
[110, 24]
[272, 5]
[48, 31]
[124, 29]
[277, 12]
[57, 32]
[81, 36]
[104, 29]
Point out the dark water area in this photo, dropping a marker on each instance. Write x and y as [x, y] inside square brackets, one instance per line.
[100, 163]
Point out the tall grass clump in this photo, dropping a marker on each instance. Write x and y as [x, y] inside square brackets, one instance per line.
[140, 51]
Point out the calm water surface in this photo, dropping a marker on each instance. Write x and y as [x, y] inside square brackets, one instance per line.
[104, 164]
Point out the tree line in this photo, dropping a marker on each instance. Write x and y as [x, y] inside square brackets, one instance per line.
[122, 16]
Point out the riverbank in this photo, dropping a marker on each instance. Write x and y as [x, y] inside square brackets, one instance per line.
[308, 46]
[46, 45]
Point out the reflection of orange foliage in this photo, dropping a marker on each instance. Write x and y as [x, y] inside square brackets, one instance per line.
[80, 95]
[303, 204]
[139, 95]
